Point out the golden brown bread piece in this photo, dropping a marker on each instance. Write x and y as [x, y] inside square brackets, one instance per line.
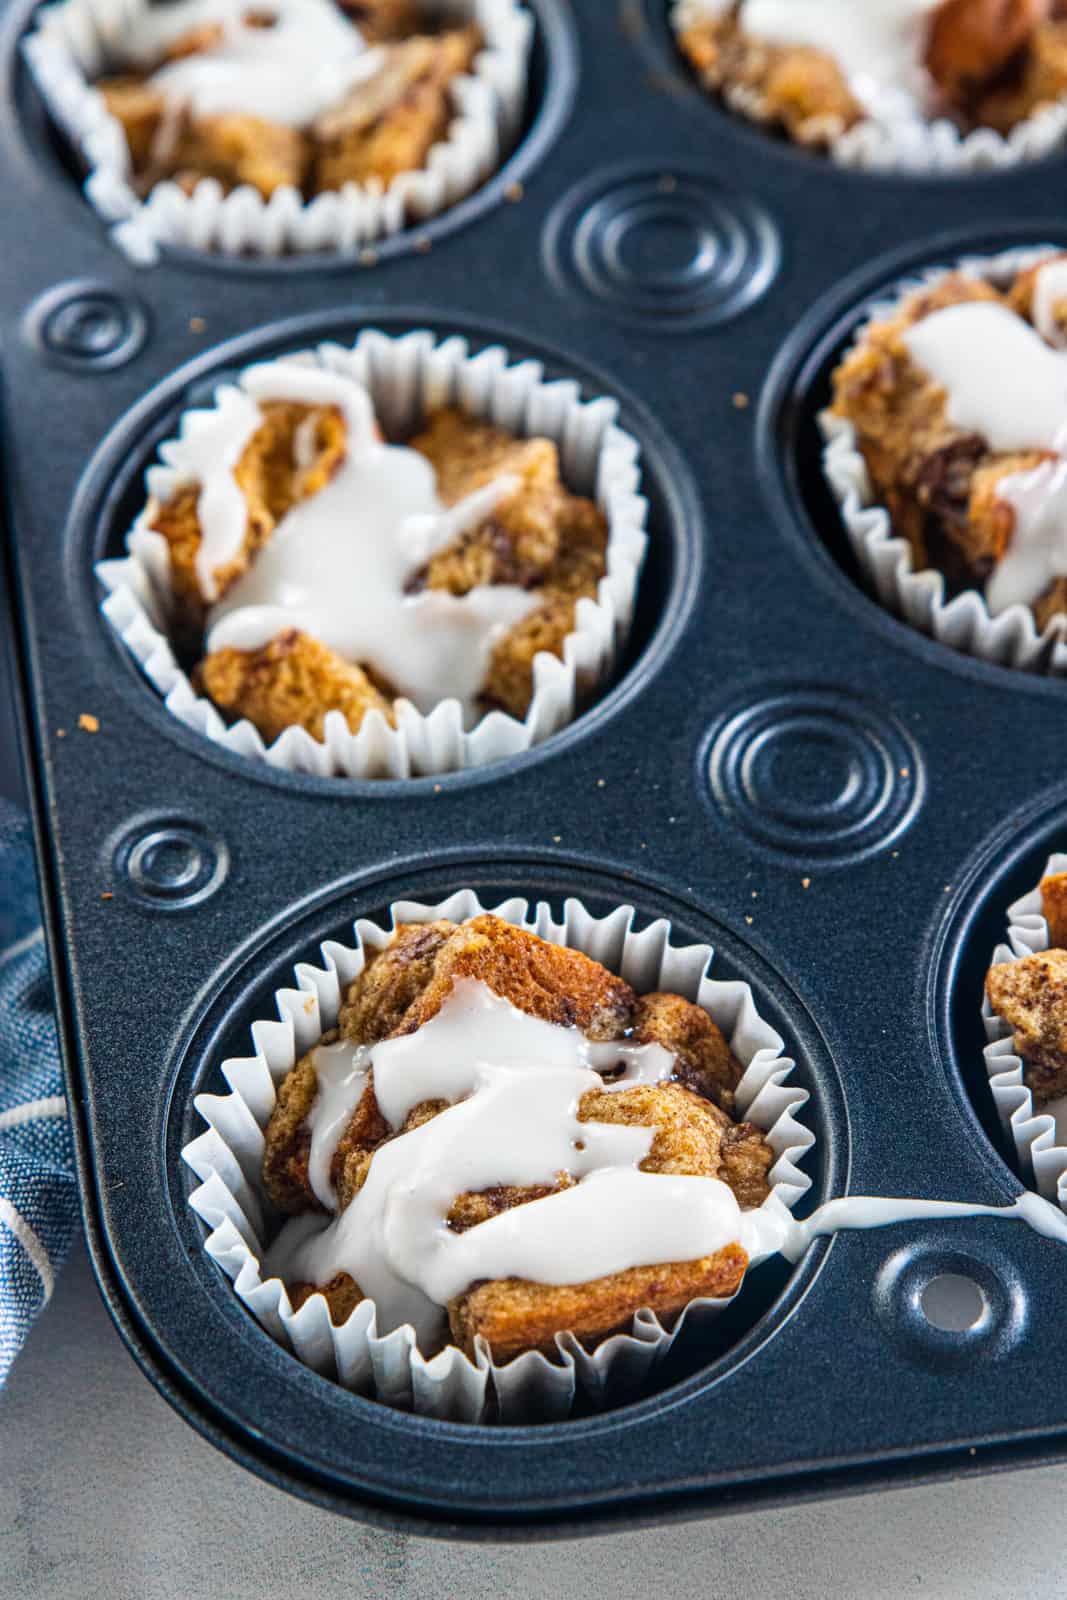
[390, 122]
[540, 536]
[802, 91]
[1031, 996]
[704, 1061]
[513, 1315]
[294, 681]
[1054, 908]
[544, 980]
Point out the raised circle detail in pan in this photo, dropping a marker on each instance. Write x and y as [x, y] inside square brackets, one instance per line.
[673, 249]
[244, 995]
[170, 863]
[87, 326]
[552, 85]
[112, 493]
[814, 774]
[948, 1309]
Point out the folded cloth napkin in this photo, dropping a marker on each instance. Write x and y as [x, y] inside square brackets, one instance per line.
[38, 1195]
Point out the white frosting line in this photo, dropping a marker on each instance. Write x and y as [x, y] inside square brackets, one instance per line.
[208, 452]
[341, 1077]
[288, 73]
[1038, 550]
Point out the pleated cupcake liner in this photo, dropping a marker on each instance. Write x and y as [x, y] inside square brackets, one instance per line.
[74, 42]
[1039, 1137]
[918, 596]
[889, 139]
[230, 1199]
[408, 377]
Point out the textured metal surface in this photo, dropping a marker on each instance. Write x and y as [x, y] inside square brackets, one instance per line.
[841, 806]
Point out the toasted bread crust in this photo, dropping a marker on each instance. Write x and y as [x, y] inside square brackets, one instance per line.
[513, 1315]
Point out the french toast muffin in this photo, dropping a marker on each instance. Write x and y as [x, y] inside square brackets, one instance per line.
[496, 1161]
[654, 1063]
[306, 584]
[946, 439]
[816, 70]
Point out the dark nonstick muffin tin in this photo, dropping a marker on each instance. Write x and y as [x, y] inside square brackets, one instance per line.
[842, 807]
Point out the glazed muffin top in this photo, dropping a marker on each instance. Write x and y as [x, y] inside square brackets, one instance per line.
[522, 1107]
[301, 94]
[817, 68]
[314, 566]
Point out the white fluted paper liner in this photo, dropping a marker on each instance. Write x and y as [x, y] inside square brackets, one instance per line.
[894, 137]
[964, 623]
[1040, 1137]
[75, 41]
[407, 377]
[228, 1158]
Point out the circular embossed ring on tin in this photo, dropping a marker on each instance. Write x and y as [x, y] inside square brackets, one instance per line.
[668, 249]
[813, 774]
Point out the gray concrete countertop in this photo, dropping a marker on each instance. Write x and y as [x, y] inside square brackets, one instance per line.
[105, 1492]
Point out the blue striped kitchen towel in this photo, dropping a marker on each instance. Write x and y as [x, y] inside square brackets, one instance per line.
[38, 1196]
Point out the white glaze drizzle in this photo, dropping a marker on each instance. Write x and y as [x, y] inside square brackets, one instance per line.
[207, 453]
[1001, 379]
[878, 44]
[1003, 382]
[514, 1084]
[288, 73]
[337, 564]
[341, 1071]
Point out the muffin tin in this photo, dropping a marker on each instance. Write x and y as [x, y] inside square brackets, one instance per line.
[842, 807]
